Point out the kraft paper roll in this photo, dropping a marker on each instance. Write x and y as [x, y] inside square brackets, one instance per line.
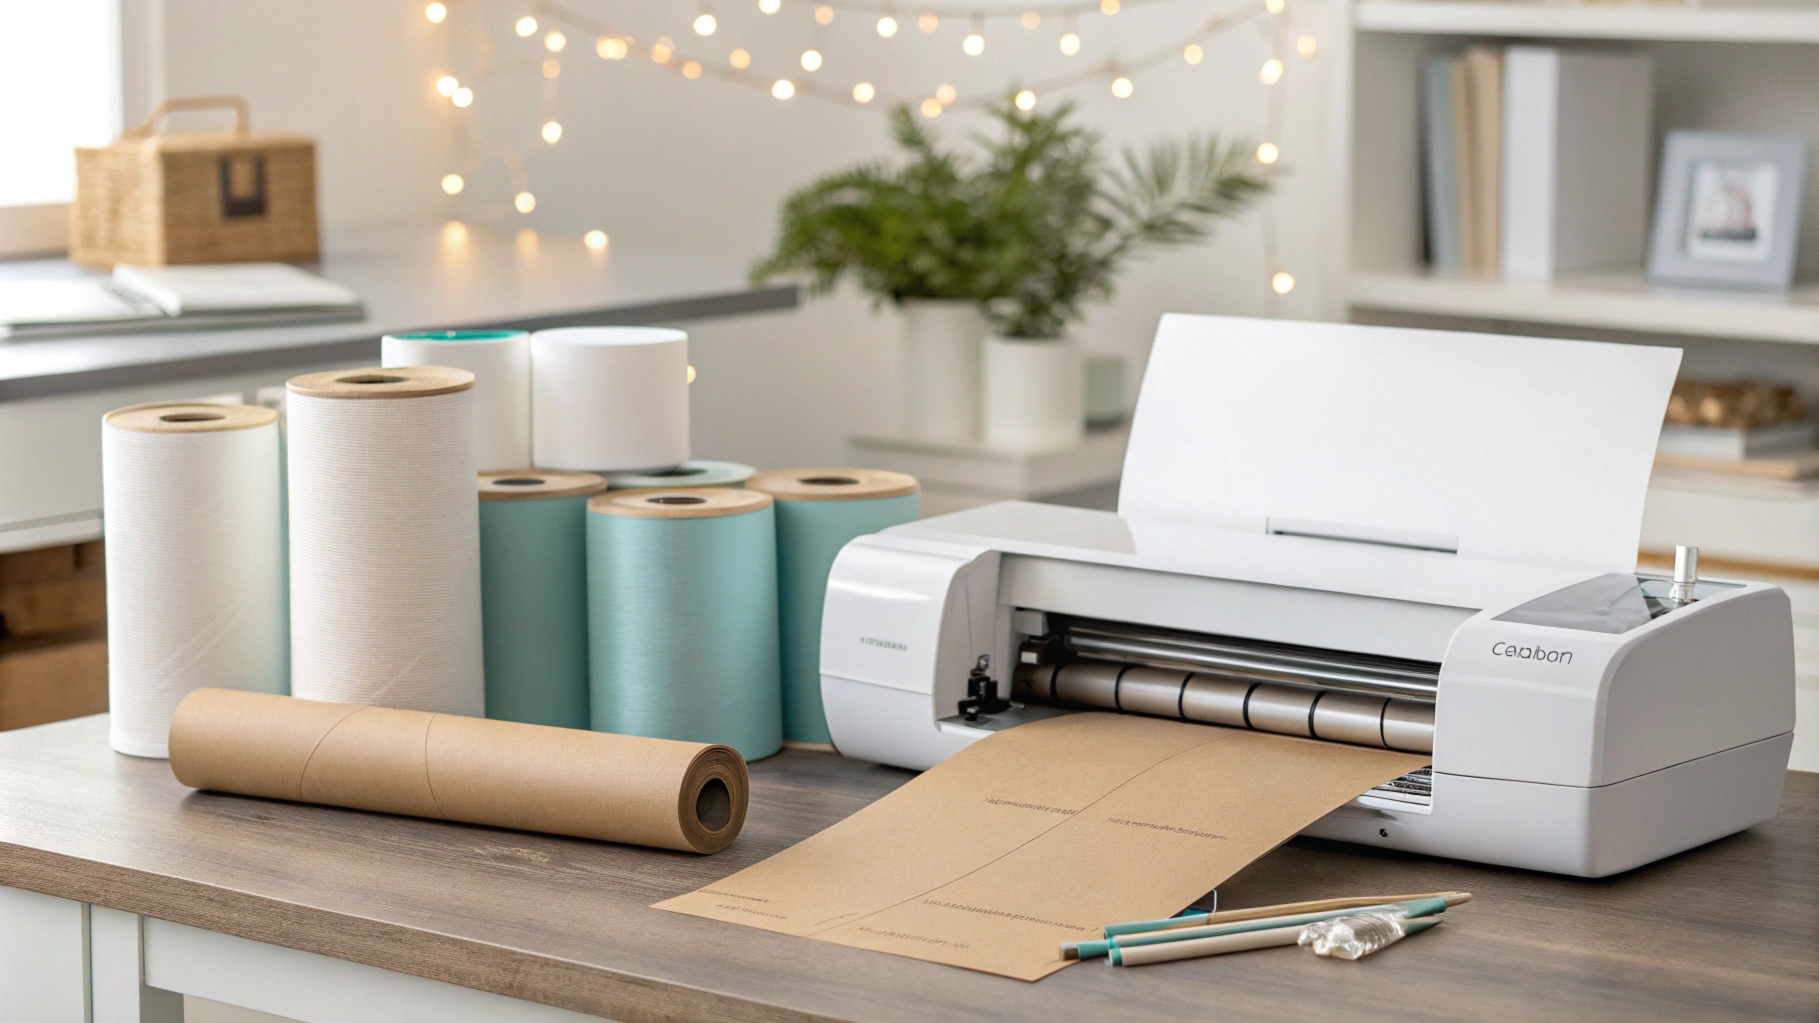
[609, 399]
[385, 539]
[818, 511]
[504, 774]
[533, 594]
[682, 617]
[689, 474]
[500, 361]
[195, 561]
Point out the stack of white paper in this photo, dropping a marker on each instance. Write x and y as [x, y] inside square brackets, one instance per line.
[141, 298]
[233, 288]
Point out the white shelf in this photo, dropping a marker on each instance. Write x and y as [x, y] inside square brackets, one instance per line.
[1614, 301]
[1779, 23]
[997, 474]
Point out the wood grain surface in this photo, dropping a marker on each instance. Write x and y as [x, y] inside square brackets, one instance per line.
[1729, 931]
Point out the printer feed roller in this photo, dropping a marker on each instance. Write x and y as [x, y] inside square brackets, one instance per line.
[1231, 700]
[1251, 659]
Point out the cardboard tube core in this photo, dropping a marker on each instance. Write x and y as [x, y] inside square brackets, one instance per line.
[614, 788]
[713, 805]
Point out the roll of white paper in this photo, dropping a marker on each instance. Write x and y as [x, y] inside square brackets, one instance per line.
[194, 561]
[609, 399]
[500, 361]
[385, 540]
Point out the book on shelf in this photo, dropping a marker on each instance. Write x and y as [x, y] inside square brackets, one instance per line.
[1441, 192]
[1576, 130]
[1462, 138]
[1534, 160]
[1484, 94]
[198, 297]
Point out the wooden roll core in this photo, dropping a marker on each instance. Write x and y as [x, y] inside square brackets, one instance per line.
[833, 484]
[188, 417]
[680, 503]
[386, 382]
[533, 485]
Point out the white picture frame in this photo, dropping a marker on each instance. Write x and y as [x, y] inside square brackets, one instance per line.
[1727, 212]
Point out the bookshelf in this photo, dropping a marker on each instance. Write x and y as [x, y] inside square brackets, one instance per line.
[1720, 67]
[1613, 300]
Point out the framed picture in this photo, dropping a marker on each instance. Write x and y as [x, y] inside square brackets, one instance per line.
[1727, 213]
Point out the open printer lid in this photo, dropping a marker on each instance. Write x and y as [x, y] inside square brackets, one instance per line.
[1510, 449]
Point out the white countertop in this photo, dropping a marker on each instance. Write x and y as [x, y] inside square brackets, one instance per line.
[411, 279]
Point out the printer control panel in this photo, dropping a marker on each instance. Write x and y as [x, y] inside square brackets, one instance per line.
[1612, 604]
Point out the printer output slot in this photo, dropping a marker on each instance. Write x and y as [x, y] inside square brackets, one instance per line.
[1253, 660]
[1222, 698]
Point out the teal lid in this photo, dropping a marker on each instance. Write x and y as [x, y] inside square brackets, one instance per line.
[458, 335]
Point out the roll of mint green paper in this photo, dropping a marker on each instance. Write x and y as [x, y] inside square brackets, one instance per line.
[818, 512]
[533, 594]
[682, 617]
[688, 474]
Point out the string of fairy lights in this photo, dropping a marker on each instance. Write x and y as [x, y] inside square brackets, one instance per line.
[548, 24]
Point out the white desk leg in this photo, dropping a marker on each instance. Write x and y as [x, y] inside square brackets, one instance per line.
[117, 972]
[43, 957]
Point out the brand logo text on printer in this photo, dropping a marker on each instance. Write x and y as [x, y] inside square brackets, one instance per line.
[885, 643]
[1531, 653]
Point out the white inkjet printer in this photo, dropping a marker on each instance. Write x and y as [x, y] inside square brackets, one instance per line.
[1418, 540]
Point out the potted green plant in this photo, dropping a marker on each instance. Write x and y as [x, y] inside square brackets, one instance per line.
[915, 234]
[1027, 231]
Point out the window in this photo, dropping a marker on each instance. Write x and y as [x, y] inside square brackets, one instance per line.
[59, 88]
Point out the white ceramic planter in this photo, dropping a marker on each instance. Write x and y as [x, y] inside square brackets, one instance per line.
[942, 366]
[1035, 394]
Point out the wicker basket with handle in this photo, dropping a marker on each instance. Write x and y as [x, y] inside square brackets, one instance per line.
[154, 198]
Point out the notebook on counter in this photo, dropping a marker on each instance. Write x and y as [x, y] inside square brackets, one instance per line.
[196, 297]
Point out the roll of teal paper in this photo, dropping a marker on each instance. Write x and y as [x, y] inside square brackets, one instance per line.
[818, 511]
[533, 594]
[682, 616]
[688, 474]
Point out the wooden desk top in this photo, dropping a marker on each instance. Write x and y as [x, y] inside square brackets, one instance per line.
[1727, 931]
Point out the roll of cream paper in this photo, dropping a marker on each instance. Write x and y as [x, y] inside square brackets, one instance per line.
[609, 399]
[194, 561]
[385, 540]
[500, 361]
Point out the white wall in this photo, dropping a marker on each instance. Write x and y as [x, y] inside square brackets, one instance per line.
[701, 165]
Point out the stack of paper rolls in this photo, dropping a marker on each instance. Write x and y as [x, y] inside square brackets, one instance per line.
[682, 617]
[385, 539]
[500, 361]
[533, 594]
[818, 511]
[194, 561]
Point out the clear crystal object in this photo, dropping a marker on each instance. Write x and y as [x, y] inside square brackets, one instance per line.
[1355, 936]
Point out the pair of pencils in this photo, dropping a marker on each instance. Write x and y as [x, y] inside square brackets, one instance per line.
[1094, 949]
[1163, 952]
[1286, 909]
